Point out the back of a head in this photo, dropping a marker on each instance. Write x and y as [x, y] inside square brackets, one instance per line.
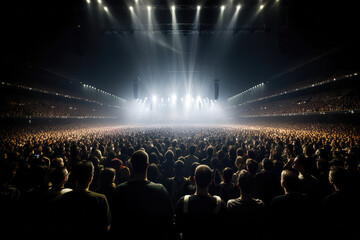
[179, 168]
[139, 161]
[239, 162]
[82, 172]
[203, 176]
[338, 177]
[209, 151]
[252, 166]
[192, 149]
[107, 176]
[246, 182]
[57, 176]
[290, 181]
[227, 174]
[169, 155]
[174, 143]
[267, 164]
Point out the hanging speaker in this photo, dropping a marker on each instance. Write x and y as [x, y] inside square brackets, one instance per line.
[216, 89]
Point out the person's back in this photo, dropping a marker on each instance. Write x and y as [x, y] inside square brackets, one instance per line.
[246, 211]
[341, 208]
[291, 211]
[141, 209]
[201, 216]
[81, 214]
[189, 160]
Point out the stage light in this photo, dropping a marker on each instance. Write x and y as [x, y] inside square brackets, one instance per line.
[261, 6]
[131, 8]
[99, 1]
[106, 9]
[238, 7]
[88, 1]
[222, 8]
[173, 7]
[149, 8]
[173, 98]
[154, 98]
[198, 7]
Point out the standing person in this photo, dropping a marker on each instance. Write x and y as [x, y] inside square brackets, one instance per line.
[245, 211]
[81, 214]
[141, 209]
[189, 160]
[201, 216]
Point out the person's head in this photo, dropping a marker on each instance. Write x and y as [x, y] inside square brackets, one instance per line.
[245, 182]
[58, 177]
[338, 177]
[299, 163]
[169, 155]
[192, 149]
[139, 162]
[227, 174]
[179, 168]
[209, 151]
[290, 181]
[203, 176]
[107, 177]
[153, 173]
[267, 164]
[240, 163]
[252, 166]
[83, 173]
[174, 143]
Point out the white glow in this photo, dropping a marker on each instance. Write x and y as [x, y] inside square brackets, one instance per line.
[198, 7]
[106, 9]
[173, 7]
[154, 98]
[99, 1]
[131, 8]
[173, 98]
[238, 7]
[261, 6]
[149, 8]
[222, 8]
[88, 1]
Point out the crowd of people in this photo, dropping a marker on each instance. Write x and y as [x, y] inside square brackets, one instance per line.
[180, 182]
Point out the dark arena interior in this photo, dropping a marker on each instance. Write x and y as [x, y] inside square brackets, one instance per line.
[179, 119]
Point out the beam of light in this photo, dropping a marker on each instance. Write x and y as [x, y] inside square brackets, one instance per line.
[106, 9]
[88, 1]
[261, 6]
[238, 7]
[99, 1]
[222, 7]
[198, 7]
[131, 8]
[173, 8]
[149, 8]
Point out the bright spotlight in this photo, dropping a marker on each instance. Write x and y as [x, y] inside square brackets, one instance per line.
[198, 7]
[131, 8]
[149, 8]
[261, 6]
[238, 7]
[88, 1]
[99, 1]
[198, 98]
[173, 98]
[154, 98]
[173, 7]
[106, 9]
[222, 8]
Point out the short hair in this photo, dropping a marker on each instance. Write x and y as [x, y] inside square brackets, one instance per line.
[169, 155]
[192, 149]
[57, 175]
[290, 180]
[139, 161]
[268, 165]
[174, 143]
[82, 172]
[252, 166]
[179, 168]
[246, 181]
[203, 176]
[227, 174]
[107, 176]
[338, 176]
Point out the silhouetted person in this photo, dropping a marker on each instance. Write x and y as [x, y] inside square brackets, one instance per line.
[245, 212]
[189, 160]
[141, 209]
[201, 216]
[81, 214]
[291, 214]
[341, 209]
